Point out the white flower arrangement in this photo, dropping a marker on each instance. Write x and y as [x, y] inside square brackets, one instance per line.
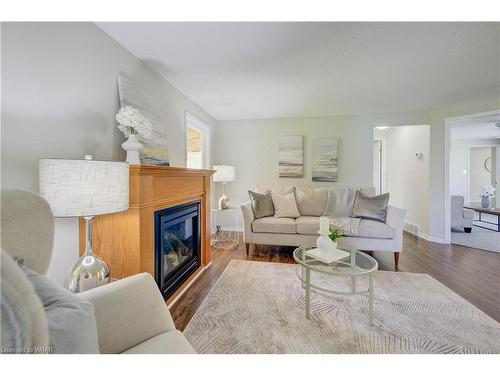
[487, 191]
[131, 121]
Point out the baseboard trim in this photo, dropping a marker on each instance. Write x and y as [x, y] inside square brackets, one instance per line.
[427, 237]
[434, 239]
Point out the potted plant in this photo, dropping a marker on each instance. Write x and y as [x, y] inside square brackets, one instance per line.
[335, 233]
[487, 192]
[133, 124]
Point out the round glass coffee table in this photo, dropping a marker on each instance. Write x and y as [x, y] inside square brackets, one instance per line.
[354, 265]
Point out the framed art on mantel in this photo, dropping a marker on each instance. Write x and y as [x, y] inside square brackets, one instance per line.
[155, 149]
[291, 156]
[325, 160]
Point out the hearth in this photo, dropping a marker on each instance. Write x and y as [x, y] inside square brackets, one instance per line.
[177, 245]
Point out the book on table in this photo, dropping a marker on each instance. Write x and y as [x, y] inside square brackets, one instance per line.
[328, 256]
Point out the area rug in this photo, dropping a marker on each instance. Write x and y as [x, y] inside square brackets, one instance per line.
[479, 238]
[258, 307]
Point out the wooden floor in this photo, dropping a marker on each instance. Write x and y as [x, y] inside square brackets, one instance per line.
[473, 274]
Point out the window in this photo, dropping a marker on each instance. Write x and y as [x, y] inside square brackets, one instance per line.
[194, 148]
[197, 141]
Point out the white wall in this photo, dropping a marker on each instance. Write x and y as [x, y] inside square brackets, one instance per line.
[406, 177]
[59, 97]
[459, 168]
[252, 147]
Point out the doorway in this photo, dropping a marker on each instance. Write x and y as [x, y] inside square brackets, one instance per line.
[401, 168]
[472, 167]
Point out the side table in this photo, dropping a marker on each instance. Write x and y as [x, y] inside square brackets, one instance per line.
[227, 223]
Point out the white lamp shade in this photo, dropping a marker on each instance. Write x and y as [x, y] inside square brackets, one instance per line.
[76, 188]
[224, 173]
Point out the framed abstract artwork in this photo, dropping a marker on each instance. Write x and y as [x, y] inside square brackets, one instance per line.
[155, 149]
[291, 156]
[325, 160]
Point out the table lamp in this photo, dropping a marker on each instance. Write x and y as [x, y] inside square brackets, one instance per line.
[224, 174]
[85, 188]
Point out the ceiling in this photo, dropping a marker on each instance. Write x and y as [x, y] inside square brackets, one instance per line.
[301, 69]
[476, 128]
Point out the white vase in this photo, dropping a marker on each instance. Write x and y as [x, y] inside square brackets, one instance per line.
[132, 146]
[325, 243]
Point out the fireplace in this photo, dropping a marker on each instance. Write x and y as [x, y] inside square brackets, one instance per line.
[177, 245]
[129, 241]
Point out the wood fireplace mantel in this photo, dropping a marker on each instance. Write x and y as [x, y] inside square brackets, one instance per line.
[125, 240]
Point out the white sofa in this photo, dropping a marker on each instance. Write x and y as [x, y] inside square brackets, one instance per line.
[461, 217]
[131, 314]
[311, 202]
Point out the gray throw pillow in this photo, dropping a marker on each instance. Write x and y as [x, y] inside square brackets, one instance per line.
[371, 208]
[71, 320]
[262, 204]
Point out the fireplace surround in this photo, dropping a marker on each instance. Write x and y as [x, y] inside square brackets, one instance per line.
[126, 240]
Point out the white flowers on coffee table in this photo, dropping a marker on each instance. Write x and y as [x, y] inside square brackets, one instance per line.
[131, 121]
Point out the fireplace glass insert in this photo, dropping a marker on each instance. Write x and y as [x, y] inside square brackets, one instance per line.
[177, 245]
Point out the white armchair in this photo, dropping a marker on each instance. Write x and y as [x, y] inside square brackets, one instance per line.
[461, 217]
[131, 315]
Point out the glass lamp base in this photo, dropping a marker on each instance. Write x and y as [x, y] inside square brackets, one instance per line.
[224, 202]
[87, 273]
